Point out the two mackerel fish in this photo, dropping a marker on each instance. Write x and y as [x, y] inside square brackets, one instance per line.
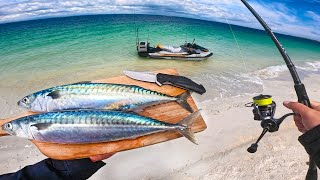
[76, 114]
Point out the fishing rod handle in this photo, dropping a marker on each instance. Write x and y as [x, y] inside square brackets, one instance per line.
[302, 94]
[312, 173]
[303, 98]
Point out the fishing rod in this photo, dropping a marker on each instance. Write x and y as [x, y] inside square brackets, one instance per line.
[264, 107]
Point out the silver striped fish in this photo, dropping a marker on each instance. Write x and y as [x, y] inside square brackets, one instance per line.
[92, 126]
[103, 96]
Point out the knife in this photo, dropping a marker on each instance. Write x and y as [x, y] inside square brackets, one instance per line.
[174, 80]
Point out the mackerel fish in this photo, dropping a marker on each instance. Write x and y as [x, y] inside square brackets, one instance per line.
[93, 126]
[102, 96]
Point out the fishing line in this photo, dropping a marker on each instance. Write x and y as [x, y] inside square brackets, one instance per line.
[135, 25]
[238, 46]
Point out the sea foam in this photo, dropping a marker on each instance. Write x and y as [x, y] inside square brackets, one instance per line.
[272, 72]
[231, 84]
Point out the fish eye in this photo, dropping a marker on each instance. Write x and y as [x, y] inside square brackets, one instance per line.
[25, 100]
[8, 126]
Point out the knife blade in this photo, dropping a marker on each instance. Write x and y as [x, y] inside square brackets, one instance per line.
[160, 78]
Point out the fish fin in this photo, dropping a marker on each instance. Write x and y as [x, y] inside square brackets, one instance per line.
[189, 135]
[82, 82]
[186, 123]
[42, 126]
[182, 101]
[54, 94]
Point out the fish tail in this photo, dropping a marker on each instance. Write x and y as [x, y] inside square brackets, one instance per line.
[182, 101]
[186, 123]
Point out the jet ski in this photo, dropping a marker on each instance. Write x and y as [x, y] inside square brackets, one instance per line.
[187, 51]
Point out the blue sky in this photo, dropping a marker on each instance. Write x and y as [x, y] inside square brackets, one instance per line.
[294, 17]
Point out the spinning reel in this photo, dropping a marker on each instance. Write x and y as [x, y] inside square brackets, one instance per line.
[263, 110]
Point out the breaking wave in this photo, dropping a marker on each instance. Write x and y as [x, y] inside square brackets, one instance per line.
[271, 72]
[227, 85]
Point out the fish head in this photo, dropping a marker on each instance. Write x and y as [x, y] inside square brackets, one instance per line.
[35, 102]
[27, 101]
[15, 128]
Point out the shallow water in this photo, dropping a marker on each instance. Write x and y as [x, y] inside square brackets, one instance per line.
[42, 53]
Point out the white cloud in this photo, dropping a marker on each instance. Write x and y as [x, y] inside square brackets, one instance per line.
[314, 16]
[281, 18]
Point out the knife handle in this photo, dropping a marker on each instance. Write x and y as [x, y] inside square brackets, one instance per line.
[181, 82]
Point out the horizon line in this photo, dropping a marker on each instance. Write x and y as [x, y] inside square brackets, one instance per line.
[99, 14]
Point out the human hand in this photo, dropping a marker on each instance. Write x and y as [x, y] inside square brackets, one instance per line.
[305, 117]
[100, 157]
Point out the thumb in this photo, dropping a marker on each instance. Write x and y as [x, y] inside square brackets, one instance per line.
[296, 107]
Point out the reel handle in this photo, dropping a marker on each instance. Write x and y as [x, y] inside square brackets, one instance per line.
[271, 125]
[253, 148]
[279, 121]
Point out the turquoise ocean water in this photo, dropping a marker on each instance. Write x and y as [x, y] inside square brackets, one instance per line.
[42, 53]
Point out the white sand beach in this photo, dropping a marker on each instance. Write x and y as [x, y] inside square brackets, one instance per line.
[221, 153]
